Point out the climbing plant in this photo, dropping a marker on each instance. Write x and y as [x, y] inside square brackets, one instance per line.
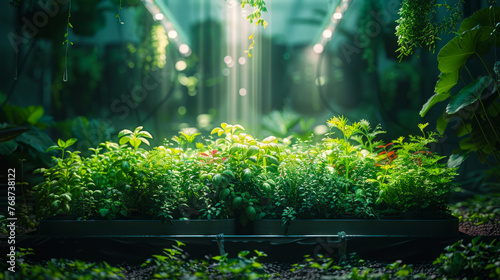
[260, 7]
[418, 28]
[474, 111]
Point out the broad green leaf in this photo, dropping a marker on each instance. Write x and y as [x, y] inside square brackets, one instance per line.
[454, 54]
[228, 173]
[437, 97]
[61, 143]
[235, 148]
[442, 123]
[124, 132]
[246, 175]
[483, 17]
[272, 159]
[70, 142]
[252, 150]
[11, 133]
[468, 95]
[124, 140]
[35, 113]
[223, 125]
[8, 148]
[104, 212]
[220, 132]
[446, 82]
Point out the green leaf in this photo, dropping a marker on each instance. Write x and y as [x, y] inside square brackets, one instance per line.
[437, 97]
[8, 148]
[61, 143]
[145, 134]
[144, 140]
[468, 95]
[247, 175]
[70, 142]
[137, 129]
[456, 159]
[483, 17]
[35, 113]
[124, 140]
[124, 132]
[442, 123]
[252, 150]
[53, 148]
[272, 159]
[11, 133]
[228, 173]
[446, 82]
[104, 212]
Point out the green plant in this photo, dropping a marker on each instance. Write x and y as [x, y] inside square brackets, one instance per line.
[475, 108]
[62, 181]
[59, 269]
[476, 259]
[134, 138]
[480, 209]
[417, 27]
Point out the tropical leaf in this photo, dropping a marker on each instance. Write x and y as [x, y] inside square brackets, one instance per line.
[469, 94]
[483, 17]
[11, 133]
[436, 98]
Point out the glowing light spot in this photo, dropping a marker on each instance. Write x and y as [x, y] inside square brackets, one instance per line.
[327, 33]
[181, 110]
[180, 65]
[243, 91]
[184, 49]
[320, 129]
[159, 16]
[229, 61]
[318, 48]
[242, 60]
[225, 72]
[172, 34]
[337, 16]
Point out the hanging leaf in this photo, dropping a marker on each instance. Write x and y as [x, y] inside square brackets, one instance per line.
[436, 98]
[468, 95]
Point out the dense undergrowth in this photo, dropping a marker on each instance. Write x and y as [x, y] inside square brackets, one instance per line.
[475, 260]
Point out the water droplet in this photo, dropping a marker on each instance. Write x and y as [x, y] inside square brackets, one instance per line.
[65, 75]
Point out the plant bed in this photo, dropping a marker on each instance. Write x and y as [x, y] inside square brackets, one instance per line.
[239, 177]
[135, 227]
[362, 227]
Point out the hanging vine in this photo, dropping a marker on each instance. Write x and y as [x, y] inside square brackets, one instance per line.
[67, 42]
[260, 7]
[417, 25]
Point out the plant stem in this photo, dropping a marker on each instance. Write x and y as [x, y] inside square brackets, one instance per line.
[486, 138]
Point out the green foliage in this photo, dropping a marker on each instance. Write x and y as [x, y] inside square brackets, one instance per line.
[174, 264]
[59, 269]
[237, 176]
[134, 138]
[480, 209]
[476, 105]
[416, 25]
[476, 259]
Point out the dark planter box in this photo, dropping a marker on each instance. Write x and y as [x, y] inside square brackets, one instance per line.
[135, 227]
[387, 227]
